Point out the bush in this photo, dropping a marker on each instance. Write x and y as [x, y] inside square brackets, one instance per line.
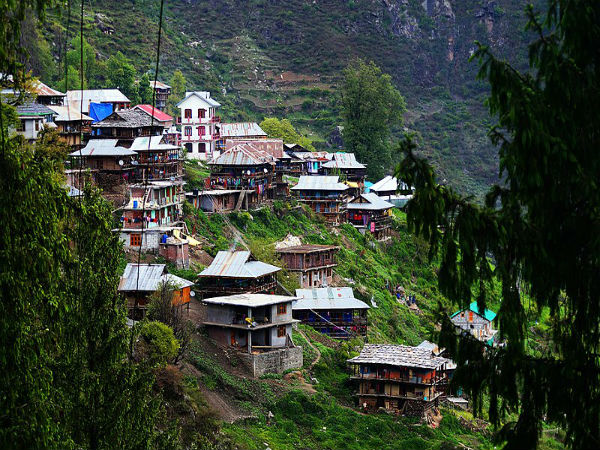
[160, 343]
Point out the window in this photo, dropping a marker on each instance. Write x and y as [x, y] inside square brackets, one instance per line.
[187, 131]
[201, 131]
[281, 308]
[135, 240]
[470, 316]
[37, 125]
[188, 147]
[202, 147]
[188, 113]
[201, 113]
[21, 126]
[281, 332]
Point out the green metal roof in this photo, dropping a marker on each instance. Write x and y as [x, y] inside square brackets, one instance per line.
[487, 314]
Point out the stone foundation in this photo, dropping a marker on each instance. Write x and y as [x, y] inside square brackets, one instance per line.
[274, 361]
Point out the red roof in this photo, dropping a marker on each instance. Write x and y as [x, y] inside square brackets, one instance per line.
[158, 114]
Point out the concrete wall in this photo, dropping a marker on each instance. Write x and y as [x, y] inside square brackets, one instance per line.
[274, 361]
[278, 318]
[219, 313]
[150, 240]
[280, 341]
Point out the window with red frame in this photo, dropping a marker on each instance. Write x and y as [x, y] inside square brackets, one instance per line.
[135, 240]
[281, 331]
[201, 131]
[187, 114]
[282, 309]
[201, 113]
[187, 131]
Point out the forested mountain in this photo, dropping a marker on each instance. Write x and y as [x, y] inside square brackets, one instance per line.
[284, 58]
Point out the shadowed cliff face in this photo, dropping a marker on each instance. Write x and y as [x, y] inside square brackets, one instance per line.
[284, 58]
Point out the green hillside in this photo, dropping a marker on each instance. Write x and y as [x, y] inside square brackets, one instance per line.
[262, 58]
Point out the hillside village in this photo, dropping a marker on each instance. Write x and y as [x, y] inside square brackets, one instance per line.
[137, 155]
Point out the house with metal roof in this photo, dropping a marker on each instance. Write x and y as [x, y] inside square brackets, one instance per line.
[346, 165]
[198, 120]
[479, 323]
[313, 264]
[370, 213]
[333, 311]
[81, 99]
[71, 124]
[398, 378]
[127, 124]
[140, 281]
[162, 92]
[257, 325]
[389, 188]
[45, 95]
[325, 195]
[159, 116]
[33, 117]
[157, 159]
[247, 131]
[244, 167]
[237, 272]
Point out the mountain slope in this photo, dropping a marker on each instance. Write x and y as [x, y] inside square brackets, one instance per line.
[284, 58]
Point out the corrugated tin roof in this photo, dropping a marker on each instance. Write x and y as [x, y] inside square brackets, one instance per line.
[373, 202]
[273, 147]
[34, 109]
[159, 85]
[487, 314]
[319, 183]
[249, 300]
[241, 129]
[68, 114]
[150, 276]
[245, 154]
[145, 143]
[236, 265]
[344, 161]
[95, 96]
[103, 147]
[203, 95]
[44, 90]
[398, 355]
[158, 114]
[328, 298]
[388, 183]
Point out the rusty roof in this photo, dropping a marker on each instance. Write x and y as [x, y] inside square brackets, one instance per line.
[344, 161]
[245, 154]
[43, 90]
[241, 129]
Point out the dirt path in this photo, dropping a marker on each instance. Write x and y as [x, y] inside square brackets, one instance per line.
[318, 358]
[223, 409]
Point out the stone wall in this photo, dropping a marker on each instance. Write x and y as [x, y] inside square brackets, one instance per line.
[274, 361]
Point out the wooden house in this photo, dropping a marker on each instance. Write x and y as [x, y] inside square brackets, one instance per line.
[159, 116]
[45, 95]
[390, 189]
[325, 195]
[370, 213]
[313, 264]
[479, 323]
[104, 155]
[162, 92]
[236, 272]
[347, 167]
[218, 200]
[140, 281]
[398, 378]
[71, 124]
[126, 124]
[257, 325]
[332, 311]
[33, 117]
[244, 167]
[156, 160]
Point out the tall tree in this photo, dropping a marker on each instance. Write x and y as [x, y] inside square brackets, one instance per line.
[121, 75]
[371, 106]
[178, 83]
[284, 129]
[145, 90]
[541, 225]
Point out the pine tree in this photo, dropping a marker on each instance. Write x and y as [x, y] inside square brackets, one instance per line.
[541, 226]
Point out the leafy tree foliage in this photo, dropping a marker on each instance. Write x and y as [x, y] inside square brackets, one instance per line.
[284, 129]
[121, 75]
[145, 90]
[177, 84]
[371, 105]
[541, 226]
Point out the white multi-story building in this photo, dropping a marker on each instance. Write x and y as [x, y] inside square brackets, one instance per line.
[199, 130]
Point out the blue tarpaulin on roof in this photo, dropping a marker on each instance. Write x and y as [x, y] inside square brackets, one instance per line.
[100, 111]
